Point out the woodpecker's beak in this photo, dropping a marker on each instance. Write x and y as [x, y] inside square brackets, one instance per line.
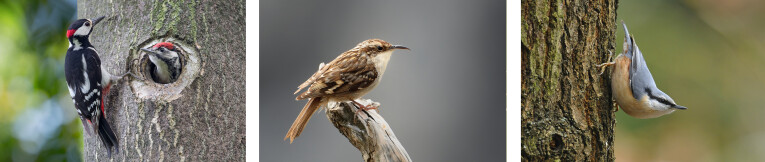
[96, 20]
[150, 51]
[399, 47]
[679, 107]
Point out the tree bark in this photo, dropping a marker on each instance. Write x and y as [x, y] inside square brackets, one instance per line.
[200, 117]
[566, 109]
[367, 131]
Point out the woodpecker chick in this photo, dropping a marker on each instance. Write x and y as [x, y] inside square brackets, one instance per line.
[88, 82]
[349, 77]
[633, 86]
[165, 64]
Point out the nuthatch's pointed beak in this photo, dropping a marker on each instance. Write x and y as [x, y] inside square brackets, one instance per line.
[399, 47]
[679, 107]
[98, 19]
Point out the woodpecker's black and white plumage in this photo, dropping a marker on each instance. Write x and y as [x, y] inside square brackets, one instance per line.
[88, 82]
[165, 63]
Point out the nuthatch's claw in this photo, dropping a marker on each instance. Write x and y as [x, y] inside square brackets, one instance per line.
[604, 65]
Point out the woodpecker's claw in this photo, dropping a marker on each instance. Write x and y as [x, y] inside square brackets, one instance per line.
[122, 76]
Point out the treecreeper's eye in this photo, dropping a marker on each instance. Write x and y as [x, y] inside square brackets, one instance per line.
[379, 48]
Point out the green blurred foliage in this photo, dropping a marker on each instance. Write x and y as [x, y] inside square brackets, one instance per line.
[707, 55]
[37, 118]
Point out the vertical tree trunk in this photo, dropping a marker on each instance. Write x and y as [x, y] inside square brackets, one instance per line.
[200, 117]
[566, 108]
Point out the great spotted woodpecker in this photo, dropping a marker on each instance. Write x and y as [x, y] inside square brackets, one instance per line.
[88, 82]
[165, 64]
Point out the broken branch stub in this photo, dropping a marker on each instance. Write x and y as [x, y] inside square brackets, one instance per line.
[367, 131]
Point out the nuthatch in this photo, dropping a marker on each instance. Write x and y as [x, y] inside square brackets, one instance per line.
[632, 84]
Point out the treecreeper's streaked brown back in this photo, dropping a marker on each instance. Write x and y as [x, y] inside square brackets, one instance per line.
[348, 77]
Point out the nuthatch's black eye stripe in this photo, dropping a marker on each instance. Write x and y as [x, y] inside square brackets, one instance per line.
[662, 100]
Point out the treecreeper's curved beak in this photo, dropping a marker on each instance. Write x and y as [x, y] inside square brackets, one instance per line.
[399, 47]
[98, 19]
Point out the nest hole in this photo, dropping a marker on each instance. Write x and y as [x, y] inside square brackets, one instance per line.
[147, 68]
[148, 86]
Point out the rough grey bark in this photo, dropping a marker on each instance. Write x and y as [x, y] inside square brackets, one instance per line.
[206, 120]
[566, 109]
[367, 131]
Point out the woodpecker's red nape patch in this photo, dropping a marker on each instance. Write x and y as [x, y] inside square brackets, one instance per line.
[69, 33]
[167, 45]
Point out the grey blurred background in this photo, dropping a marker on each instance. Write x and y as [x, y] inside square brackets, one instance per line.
[445, 99]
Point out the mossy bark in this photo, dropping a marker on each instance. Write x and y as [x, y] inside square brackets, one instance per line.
[566, 109]
[207, 121]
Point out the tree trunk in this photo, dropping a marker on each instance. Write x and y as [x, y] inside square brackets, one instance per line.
[566, 109]
[199, 117]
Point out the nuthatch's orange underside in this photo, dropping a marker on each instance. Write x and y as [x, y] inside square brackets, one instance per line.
[633, 86]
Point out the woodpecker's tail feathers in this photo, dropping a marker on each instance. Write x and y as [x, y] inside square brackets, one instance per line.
[110, 79]
[107, 136]
[302, 119]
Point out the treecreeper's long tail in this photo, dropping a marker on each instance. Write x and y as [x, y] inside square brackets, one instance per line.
[302, 119]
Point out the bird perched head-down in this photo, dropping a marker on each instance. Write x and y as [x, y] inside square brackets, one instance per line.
[633, 86]
[88, 82]
[350, 76]
[165, 63]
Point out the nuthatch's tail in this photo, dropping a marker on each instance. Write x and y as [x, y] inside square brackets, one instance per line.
[628, 45]
[626, 32]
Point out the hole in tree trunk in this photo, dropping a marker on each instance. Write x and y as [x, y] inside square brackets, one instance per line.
[150, 83]
[557, 142]
[152, 72]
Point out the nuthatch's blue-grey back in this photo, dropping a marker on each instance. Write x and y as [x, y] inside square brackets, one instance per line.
[632, 84]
